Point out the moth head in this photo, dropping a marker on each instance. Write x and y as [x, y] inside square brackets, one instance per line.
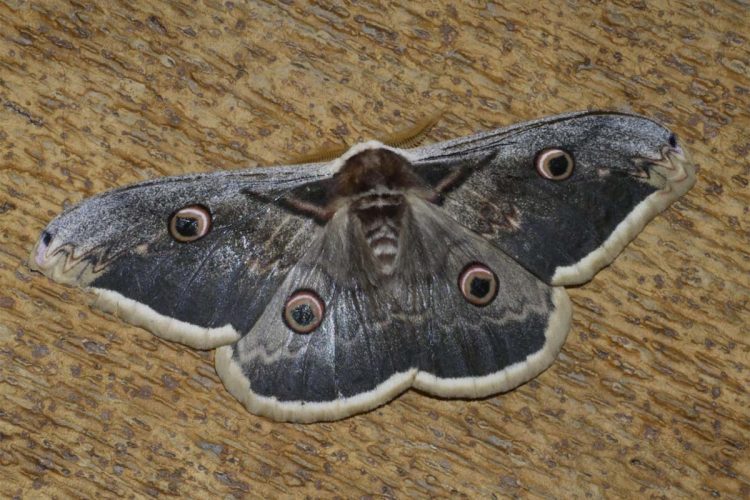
[478, 284]
[554, 164]
[190, 223]
[304, 311]
[373, 168]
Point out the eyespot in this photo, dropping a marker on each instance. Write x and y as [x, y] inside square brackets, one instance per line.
[554, 164]
[190, 223]
[672, 140]
[478, 284]
[304, 311]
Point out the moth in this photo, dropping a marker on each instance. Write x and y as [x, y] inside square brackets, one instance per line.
[331, 287]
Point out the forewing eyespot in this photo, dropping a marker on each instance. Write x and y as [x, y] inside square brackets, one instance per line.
[554, 164]
[190, 223]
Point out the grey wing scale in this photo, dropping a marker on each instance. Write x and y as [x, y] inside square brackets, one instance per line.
[380, 337]
[202, 293]
[627, 169]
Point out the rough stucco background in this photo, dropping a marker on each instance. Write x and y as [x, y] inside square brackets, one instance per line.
[649, 396]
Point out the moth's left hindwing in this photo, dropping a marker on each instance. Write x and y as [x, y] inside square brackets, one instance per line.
[203, 293]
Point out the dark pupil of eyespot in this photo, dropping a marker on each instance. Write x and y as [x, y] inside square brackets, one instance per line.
[558, 165]
[673, 140]
[480, 287]
[303, 315]
[186, 227]
[46, 238]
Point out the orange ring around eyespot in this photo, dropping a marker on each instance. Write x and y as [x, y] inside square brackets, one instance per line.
[542, 160]
[312, 300]
[196, 212]
[464, 283]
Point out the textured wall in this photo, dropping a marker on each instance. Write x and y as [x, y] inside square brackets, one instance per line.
[650, 394]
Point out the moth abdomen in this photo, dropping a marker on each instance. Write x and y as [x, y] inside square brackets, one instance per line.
[381, 218]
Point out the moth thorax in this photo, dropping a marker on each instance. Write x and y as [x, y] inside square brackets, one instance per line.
[381, 218]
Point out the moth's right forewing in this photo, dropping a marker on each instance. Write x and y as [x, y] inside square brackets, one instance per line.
[623, 170]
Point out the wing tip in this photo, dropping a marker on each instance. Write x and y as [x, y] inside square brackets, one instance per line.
[59, 263]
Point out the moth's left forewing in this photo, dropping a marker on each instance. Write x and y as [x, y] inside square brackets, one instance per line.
[201, 289]
[625, 170]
